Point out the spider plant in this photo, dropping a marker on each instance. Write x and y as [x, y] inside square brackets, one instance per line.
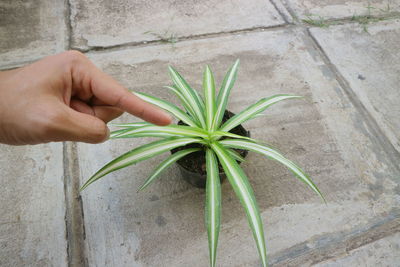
[203, 118]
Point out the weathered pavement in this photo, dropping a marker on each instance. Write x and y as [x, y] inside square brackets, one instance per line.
[345, 134]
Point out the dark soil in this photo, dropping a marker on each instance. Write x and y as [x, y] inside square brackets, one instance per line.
[196, 161]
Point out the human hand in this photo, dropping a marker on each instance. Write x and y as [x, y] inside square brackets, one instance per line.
[65, 98]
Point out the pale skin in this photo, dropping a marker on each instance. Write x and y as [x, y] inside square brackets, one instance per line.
[65, 97]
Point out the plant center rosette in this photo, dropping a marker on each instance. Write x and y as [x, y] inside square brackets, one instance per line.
[193, 166]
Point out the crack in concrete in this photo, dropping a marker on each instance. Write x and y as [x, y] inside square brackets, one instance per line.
[281, 13]
[290, 11]
[68, 24]
[181, 39]
[351, 20]
[74, 219]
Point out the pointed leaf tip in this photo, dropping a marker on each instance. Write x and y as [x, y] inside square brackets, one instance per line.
[240, 184]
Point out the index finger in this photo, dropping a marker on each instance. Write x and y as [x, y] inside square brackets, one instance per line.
[108, 90]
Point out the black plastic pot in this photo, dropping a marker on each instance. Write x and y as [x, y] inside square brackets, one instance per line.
[193, 166]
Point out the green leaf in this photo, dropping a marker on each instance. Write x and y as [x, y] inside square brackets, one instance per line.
[113, 134]
[253, 110]
[174, 110]
[143, 134]
[185, 104]
[218, 134]
[132, 124]
[258, 115]
[190, 95]
[235, 155]
[178, 130]
[240, 184]
[127, 126]
[223, 94]
[213, 204]
[275, 155]
[209, 96]
[166, 163]
[138, 154]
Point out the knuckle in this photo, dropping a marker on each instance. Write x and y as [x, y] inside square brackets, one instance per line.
[141, 113]
[120, 101]
[100, 134]
[74, 56]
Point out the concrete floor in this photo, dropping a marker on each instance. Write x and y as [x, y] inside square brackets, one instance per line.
[346, 134]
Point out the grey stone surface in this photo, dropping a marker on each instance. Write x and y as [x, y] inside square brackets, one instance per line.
[370, 62]
[107, 23]
[325, 134]
[384, 252]
[335, 9]
[32, 226]
[30, 30]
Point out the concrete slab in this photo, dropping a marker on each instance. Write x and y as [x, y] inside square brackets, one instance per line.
[384, 252]
[163, 226]
[370, 63]
[336, 9]
[104, 23]
[32, 226]
[30, 30]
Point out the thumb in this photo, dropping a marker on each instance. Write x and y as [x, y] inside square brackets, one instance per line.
[83, 127]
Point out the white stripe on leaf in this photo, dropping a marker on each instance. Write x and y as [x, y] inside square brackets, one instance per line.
[240, 184]
[275, 155]
[138, 154]
[213, 204]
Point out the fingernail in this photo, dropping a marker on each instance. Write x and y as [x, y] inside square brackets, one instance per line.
[168, 118]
